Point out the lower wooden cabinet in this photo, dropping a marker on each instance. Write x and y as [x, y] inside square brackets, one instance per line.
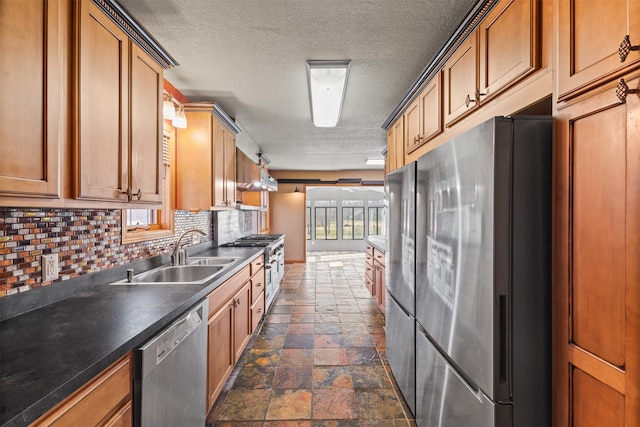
[104, 401]
[374, 275]
[235, 310]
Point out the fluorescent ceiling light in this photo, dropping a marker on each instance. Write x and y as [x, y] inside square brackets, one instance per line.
[327, 84]
[376, 162]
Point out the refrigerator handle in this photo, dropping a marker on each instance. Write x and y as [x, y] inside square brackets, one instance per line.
[504, 345]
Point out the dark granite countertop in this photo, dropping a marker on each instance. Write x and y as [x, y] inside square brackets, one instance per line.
[48, 353]
[378, 242]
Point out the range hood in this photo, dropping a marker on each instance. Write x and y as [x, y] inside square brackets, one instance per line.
[267, 182]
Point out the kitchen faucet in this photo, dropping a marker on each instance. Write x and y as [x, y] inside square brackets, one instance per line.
[178, 256]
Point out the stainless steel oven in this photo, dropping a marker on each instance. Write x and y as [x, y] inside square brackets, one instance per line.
[273, 260]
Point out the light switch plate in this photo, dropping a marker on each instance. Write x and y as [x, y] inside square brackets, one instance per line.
[49, 267]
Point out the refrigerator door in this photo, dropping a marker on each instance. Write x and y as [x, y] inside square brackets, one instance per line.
[401, 349]
[457, 292]
[400, 262]
[445, 399]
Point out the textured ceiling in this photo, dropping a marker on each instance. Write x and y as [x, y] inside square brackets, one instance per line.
[249, 57]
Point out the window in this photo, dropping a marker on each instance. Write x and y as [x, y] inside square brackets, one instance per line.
[375, 212]
[353, 220]
[326, 218]
[147, 224]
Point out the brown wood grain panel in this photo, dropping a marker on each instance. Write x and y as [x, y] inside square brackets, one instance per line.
[431, 109]
[461, 80]
[509, 44]
[242, 319]
[146, 128]
[589, 34]
[194, 162]
[598, 233]
[220, 355]
[101, 137]
[412, 127]
[594, 404]
[32, 65]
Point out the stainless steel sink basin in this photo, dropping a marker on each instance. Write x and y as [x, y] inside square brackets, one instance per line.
[181, 274]
[211, 261]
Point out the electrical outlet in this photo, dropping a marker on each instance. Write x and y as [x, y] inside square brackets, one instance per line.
[49, 267]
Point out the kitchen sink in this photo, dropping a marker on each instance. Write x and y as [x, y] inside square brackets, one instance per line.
[185, 274]
[215, 261]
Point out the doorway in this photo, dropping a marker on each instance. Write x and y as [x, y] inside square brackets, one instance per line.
[341, 218]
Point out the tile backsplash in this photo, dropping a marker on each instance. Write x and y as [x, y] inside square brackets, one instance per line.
[86, 241]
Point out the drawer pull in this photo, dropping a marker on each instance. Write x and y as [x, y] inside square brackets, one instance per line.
[622, 91]
[625, 48]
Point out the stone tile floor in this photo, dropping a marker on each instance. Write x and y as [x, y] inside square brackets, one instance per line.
[319, 357]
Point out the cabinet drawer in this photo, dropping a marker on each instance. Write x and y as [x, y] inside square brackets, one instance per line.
[368, 270]
[256, 265]
[379, 257]
[99, 402]
[257, 286]
[369, 250]
[222, 293]
[257, 311]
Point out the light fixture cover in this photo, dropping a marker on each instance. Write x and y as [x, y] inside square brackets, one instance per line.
[327, 85]
[180, 120]
[376, 162]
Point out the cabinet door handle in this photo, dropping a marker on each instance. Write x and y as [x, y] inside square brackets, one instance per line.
[259, 310]
[622, 91]
[626, 47]
[129, 194]
[139, 194]
[475, 99]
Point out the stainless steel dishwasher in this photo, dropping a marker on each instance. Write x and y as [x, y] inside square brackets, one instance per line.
[170, 384]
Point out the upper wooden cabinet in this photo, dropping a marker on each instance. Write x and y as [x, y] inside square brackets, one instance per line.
[592, 43]
[206, 159]
[502, 51]
[509, 45]
[461, 81]
[395, 146]
[32, 81]
[423, 118]
[118, 121]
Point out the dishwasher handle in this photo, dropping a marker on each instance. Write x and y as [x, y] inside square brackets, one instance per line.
[161, 346]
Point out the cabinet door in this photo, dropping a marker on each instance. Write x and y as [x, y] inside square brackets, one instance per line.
[398, 134]
[101, 139]
[221, 354]
[390, 157]
[146, 130]
[590, 32]
[242, 319]
[194, 162]
[431, 110]
[381, 291]
[412, 127]
[230, 168]
[31, 64]
[509, 45]
[219, 165]
[597, 274]
[461, 81]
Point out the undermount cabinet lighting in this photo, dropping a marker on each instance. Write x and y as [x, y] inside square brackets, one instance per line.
[374, 162]
[327, 85]
[180, 120]
[168, 107]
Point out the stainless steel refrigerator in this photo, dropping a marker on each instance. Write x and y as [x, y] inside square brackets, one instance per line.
[482, 288]
[400, 278]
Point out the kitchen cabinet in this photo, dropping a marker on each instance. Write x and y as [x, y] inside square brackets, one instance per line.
[117, 135]
[395, 146]
[104, 401]
[592, 43]
[423, 118]
[229, 329]
[596, 351]
[509, 45]
[375, 275]
[461, 81]
[224, 169]
[206, 159]
[31, 64]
